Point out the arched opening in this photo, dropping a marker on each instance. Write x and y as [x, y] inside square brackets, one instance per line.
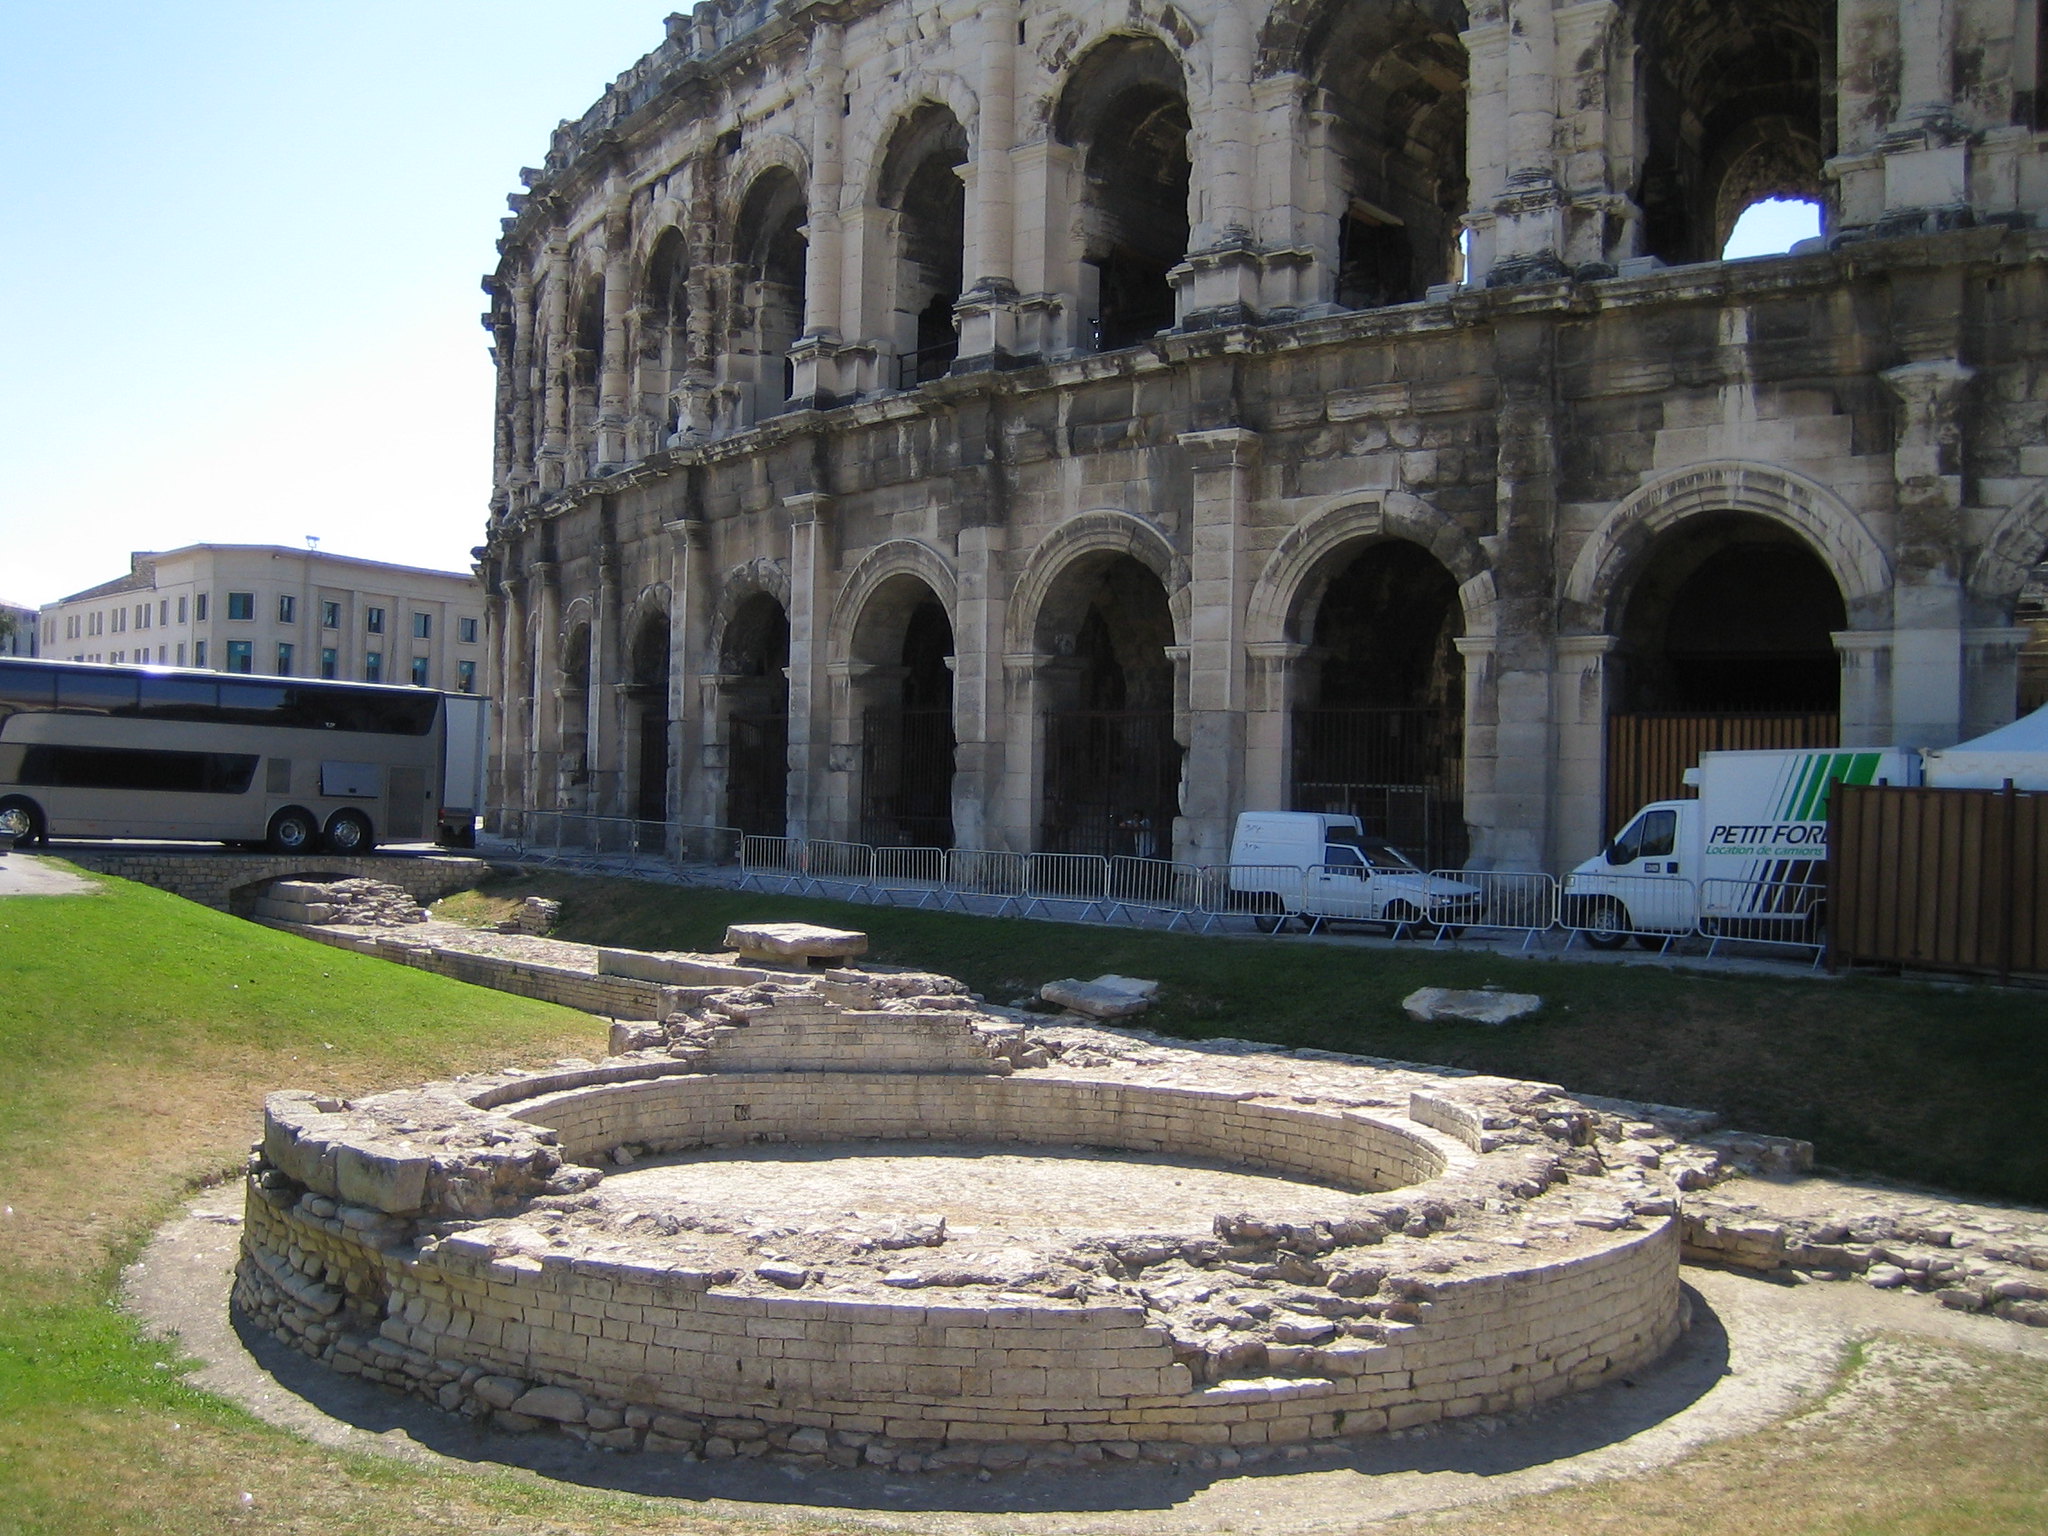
[1379, 727]
[1126, 111]
[1725, 642]
[1392, 82]
[921, 184]
[665, 333]
[772, 250]
[1112, 765]
[903, 646]
[1772, 226]
[2031, 614]
[648, 719]
[1737, 106]
[586, 364]
[754, 663]
[573, 767]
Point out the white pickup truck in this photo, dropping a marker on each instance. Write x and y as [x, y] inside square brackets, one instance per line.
[1323, 867]
[1746, 859]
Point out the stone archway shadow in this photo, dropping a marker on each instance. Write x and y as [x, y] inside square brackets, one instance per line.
[1738, 1368]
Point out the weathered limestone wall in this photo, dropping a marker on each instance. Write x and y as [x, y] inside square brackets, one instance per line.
[234, 881]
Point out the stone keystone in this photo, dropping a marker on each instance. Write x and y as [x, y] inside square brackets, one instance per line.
[794, 941]
[1443, 1005]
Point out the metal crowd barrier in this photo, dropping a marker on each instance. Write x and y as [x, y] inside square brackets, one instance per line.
[905, 873]
[1608, 910]
[1138, 889]
[973, 872]
[1055, 883]
[1783, 912]
[1510, 901]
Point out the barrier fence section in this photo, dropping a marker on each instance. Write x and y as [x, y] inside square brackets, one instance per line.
[1786, 912]
[1610, 909]
[1510, 901]
[913, 877]
[549, 837]
[1055, 884]
[1240, 897]
[972, 873]
[1143, 890]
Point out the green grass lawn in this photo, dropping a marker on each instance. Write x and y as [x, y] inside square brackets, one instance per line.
[138, 1034]
[1935, 1085]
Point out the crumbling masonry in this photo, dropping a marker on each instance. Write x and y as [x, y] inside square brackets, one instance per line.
[1054, 427]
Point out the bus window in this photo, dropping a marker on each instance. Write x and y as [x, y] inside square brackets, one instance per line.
[25, 688]
[180, 698]
[90, 693]
[253, 704]
[203, 773]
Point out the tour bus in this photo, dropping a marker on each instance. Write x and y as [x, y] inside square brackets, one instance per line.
[149, 752]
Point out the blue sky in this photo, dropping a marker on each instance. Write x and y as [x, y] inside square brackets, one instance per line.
[239, 284]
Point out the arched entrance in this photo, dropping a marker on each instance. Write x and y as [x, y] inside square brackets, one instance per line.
[1379, 724]
[921, 185]
[1112, 765]
[647, 714]
[572, 767]
[754, 662]
[903, 647]
[1725, 642]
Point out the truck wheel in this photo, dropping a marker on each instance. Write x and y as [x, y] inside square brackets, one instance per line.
[22, 819]
[348, 832]
[1606, 925]
[291, 831]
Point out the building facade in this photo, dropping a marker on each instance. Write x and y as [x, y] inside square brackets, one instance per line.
[1064, 426]
[19, 633]
[279, 612]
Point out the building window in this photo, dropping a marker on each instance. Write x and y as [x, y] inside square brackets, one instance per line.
[142, 615]
[419, 671]
[465, 631]
[181, 608]
[199, 608]
[373, 620]
[287, 610]
[120, 621]
[162, 653]
[241, 605]
[423, 626]
[465, 676]
[241, 656]
[373, 666]
[181, 653]
[198, 653]
[163, 611]
[284, 659]
[330, 615]
[330, 661]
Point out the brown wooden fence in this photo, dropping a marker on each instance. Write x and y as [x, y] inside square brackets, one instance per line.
[1948, 879]
[1647, 755]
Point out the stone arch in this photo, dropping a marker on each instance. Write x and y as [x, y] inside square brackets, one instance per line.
[660, 216]
[741, 582]
[1103, 531]
[1599, 575]
[896, 557]
[884, 116]
[2018, 543]
[651, 603]
[1350, 519]
[768, 153]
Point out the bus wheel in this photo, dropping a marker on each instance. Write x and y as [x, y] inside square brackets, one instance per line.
[22, 819]
[348, 832]
[1607, 925]
[291, 831]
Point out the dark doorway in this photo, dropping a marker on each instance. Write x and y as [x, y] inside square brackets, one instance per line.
[648, 697]
[1380, 733]
[907, 744]
[755, 662]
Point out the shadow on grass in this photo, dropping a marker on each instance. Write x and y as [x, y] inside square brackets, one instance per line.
[1555, 1432]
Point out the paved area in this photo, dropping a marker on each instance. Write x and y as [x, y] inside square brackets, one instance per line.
[24, 874]
[1756, 1352]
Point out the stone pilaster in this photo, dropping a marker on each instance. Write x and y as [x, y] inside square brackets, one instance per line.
[987, 311]
[1928, 604]
[814, 358]
[810, 609]
[1223, 462]
[687, 621]
[981, 726]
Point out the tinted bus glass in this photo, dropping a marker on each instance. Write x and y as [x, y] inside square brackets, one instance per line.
[207, 773]
[253, 704]
[25, 688]
[96, 693]
[180, 698]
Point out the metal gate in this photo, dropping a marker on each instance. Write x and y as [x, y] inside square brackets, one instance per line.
[1400, 771]
[1112, 783]
[906, 778]
[757, 774]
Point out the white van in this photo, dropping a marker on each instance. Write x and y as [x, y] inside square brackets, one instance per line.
[1323, 867]
[1747, 859]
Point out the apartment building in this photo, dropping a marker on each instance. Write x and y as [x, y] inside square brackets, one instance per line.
[278, 612]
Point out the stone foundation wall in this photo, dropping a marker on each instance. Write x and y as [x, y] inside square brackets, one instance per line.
[233, 881]
[612, 997]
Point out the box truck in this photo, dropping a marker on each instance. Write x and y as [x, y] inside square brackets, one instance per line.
[1322, 866]
[1746, 859]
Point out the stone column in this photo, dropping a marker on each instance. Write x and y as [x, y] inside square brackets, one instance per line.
[1991, 677]
[814, 357]
[1529, 213]
[545, 688]
[1486, 136]
[1218, 284]
[1866, 702]
[613, 409]
[1926, 152]
[554, 346]
[810, 610]
[1023, 754]
[1928, 603]
[686, 621]
[603, 729]
[1579, 701]
[1212, 774]
[987, 311]
[981, 724]
[1271, 680]
[524, 396]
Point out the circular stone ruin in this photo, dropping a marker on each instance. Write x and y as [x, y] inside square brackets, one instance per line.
[853, 1218]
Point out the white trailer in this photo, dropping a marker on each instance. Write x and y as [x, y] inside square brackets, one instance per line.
[1746, 859]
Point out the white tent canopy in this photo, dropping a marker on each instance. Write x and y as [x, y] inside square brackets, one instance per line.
[2018, 752]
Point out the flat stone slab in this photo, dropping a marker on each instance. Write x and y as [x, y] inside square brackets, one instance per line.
[794, 941]
[1446, 1005]
[1106, 997]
